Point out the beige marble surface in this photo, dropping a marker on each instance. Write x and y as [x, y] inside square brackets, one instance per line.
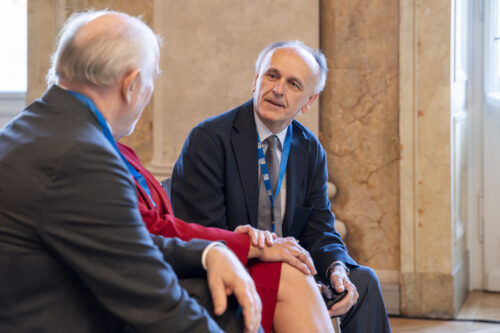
[433, 193]
[434, 265]
[48, 16]
[359, 124]
[208, 61]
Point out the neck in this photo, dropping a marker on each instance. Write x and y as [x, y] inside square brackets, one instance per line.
[103, 99]
[274, 128]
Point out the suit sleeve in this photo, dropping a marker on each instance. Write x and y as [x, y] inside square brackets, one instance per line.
[91, 223]
[319, 235]
[169, 226]
[198, 181]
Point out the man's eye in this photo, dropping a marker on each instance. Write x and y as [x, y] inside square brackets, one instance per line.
[271, 75]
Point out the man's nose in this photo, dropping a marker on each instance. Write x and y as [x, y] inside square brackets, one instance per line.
[279, 88]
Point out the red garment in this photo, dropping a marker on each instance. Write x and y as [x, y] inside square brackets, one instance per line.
[161, 221]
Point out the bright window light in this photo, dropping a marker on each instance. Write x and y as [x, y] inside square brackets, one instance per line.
[13, 45]
[496, 37]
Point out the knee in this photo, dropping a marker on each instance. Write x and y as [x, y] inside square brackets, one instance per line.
[365, 279]
[294, 282]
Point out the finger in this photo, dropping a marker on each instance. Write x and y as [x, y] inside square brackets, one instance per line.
[340, 307]
[242, 229]
[306, 259]
[293, 261]
[250, 305]
[269, 238]
[250, 231]
[254, 236]
[274, 235]
[337, 283]
[219, 297]
[262, 239]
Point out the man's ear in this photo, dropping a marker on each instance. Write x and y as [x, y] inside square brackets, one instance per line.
[310, 101]
[129, 83]
[254, 83]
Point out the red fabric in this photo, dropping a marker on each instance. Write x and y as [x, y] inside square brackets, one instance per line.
[161, 221]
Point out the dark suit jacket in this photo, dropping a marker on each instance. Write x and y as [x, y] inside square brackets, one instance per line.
[74, 253]
[215, 183]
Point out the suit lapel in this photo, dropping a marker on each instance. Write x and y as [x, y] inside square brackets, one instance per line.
[244, 145]
[296, 171]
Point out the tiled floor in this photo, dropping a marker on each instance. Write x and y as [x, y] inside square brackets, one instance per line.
[478, 306]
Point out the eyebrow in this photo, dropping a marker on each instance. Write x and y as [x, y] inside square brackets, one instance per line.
[290, 79]
[272, 70]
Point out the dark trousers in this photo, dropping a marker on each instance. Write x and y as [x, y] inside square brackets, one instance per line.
[368, 314]
[231, 320]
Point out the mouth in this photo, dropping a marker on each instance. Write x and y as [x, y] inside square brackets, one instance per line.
[274, 102]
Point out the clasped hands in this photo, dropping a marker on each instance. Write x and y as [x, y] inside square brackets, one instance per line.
[226, 275]
[266, 246]
[340, 281]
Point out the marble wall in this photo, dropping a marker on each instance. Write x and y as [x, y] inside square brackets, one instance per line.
[359, 125]
[208, 61]
[48, 16]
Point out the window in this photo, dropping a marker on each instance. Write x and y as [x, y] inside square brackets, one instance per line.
[495, 38]
[13, 58]
[492, 72]
[13, 36]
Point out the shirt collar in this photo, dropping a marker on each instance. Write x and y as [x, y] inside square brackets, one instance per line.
[107, 122]
[264, 132]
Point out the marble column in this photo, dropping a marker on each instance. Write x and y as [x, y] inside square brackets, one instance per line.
[433, 258]
[359, 127]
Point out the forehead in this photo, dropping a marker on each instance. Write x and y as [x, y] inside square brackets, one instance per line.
[292, 61]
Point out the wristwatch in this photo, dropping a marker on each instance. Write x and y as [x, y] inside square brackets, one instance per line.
[332, 267]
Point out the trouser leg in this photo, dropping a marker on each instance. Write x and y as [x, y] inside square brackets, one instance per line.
[369, 313]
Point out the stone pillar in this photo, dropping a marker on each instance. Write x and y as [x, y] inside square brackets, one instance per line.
[359, 127]
[208, 61]
[433, 263]
[44, 22]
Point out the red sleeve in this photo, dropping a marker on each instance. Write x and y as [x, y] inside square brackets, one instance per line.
[169, 226]
[159, 220]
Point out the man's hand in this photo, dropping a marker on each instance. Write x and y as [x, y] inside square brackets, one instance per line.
[258, 238]
[226, 276]
[286, 250]
[340, 281]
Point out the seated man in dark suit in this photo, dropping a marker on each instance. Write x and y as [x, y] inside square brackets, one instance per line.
[257, 165]
[74, 253]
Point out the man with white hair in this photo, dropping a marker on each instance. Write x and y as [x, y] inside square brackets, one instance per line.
[256, 165]
[75, 255]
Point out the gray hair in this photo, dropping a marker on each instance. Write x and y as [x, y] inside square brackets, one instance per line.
[103, 59]
[316, 53]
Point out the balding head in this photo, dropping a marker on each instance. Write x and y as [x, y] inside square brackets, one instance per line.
[96, 49]
[315, 55]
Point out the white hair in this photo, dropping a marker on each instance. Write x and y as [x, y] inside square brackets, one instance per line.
[101, 60]
[316, 53]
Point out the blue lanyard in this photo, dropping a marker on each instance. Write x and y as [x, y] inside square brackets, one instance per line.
[265, 171]
[107, 133]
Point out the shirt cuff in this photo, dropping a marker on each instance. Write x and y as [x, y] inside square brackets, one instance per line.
[205, 252]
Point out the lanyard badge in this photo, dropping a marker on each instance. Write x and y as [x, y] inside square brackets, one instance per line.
[265, 171]
[109, 136]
